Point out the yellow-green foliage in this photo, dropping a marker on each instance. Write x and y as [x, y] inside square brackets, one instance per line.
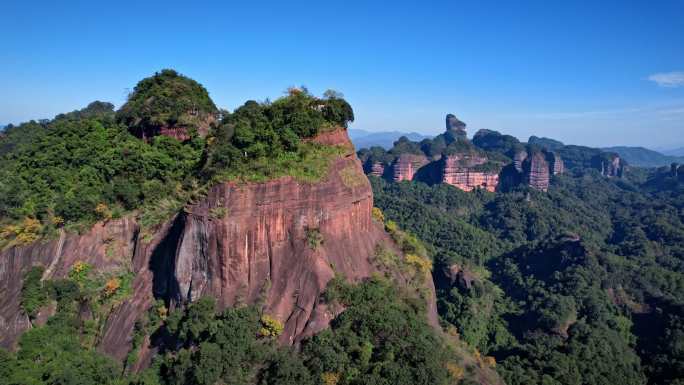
[455, 371]
[351, 177]
[378, 215]
[103, 211]
[330, 378]
[391, 227]
[270, 327]
[79, 272]
[421, 264]
[25, 232]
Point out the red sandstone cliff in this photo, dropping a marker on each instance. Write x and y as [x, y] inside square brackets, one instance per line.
[537, 171]
[406, 166]
[461, 170]
[243, 242]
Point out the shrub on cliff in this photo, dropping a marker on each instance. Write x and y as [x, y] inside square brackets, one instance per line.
[264, 140]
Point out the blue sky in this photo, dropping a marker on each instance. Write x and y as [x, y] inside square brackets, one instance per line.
[585, 72]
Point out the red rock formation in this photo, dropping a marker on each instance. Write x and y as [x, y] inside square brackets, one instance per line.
[181, 133]
[557, 166]
[460, 170]
[406, 165]
[537, 171]
[57, 256]
[243, 242]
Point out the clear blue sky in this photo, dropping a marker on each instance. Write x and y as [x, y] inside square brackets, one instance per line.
[577, 71]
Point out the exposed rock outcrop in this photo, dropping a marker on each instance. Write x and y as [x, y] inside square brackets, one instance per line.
[241, 243]
[555, 163]
[455, 128]
[406, 166]
[537, 171]
[609, 164]
[518, 160]
[461, 170]
[179, 132]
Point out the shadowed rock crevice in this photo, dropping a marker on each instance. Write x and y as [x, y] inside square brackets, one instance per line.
[163, 263]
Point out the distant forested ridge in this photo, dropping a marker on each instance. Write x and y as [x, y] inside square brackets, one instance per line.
[643, 157]
[583, 284]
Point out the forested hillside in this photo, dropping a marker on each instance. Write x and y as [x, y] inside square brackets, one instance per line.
[583, 284]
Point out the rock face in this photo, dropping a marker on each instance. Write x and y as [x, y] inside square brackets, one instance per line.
[460, 170]
[455, 127]
[110, 247]
[556, 163]
[181, 133]
[242, 243]
[609, 164]
[537, 171]
[518, 160]
[406, 166]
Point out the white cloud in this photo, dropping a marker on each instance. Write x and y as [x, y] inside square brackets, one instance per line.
[668, 79]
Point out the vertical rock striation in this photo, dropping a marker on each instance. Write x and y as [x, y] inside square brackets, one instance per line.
[242, 243]
[537, 171]
[518, 159]
[406, 166]
[609, 164]
[461, 170]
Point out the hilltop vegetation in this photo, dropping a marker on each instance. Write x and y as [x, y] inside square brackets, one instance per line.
[96, 164]
[166, 99]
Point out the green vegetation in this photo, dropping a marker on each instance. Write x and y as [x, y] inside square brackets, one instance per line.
[166, 99]
[261, 141]
[314, 238]
[63, 350]
[382, 337]
[580, 285]
[33, 295]
[70, 166]
[91, 165]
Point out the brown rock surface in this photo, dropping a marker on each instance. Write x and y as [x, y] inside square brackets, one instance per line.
[537, 171]
[242, 243]
[406, 165]
[556, 163]
[460, 170]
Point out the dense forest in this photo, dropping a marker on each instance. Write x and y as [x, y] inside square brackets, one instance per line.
[580, 285]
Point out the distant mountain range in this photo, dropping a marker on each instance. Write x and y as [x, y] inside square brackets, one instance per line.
[384, 139]
[643, 157]
[674, 152]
